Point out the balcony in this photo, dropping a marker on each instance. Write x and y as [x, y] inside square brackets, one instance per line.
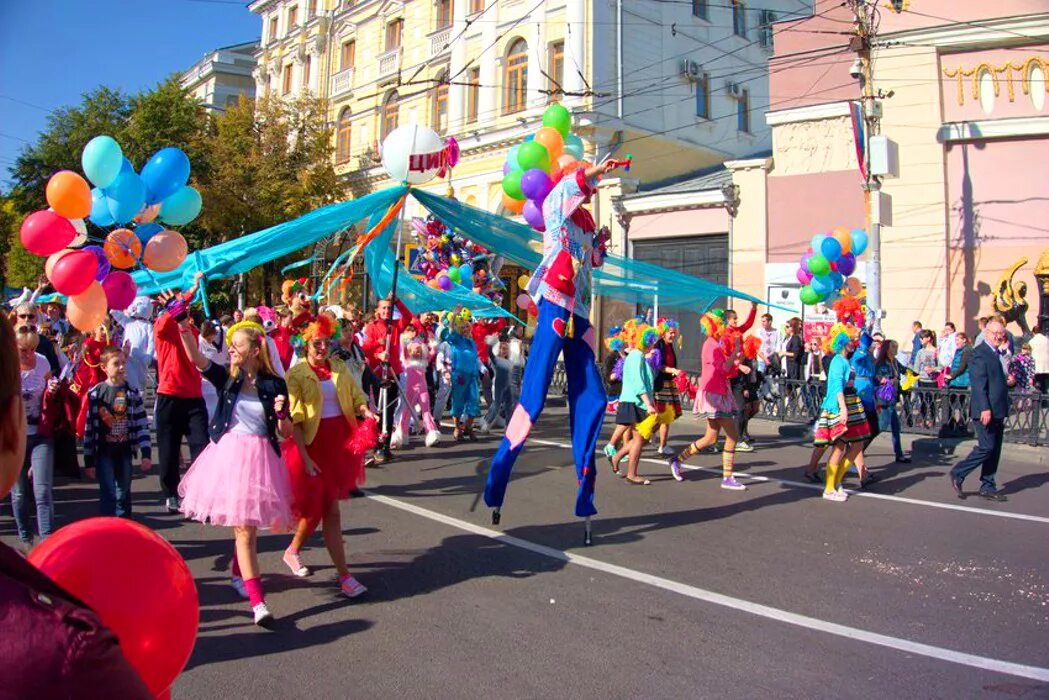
[390, 64]
[439, 41]
[342, 82]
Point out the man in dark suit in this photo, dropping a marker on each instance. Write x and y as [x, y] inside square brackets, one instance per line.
[989, 407]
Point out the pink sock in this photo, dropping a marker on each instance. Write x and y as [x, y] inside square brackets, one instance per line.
[254, 588]
[235, 569]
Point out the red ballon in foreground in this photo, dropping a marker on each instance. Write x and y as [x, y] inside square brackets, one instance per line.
[74, 272]
[45, 232]
[136, 583]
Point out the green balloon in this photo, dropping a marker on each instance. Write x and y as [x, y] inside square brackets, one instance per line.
[533, 155]
[454, 274]
[809, 295]
[512, 185]
[559, 118]
[818, 265]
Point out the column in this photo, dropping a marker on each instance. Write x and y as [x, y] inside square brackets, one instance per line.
[536, 58]
[575, 48]
[457, 93]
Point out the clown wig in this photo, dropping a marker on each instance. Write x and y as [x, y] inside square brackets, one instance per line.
[665, 325]
[751, 345]
[839, 337]
[324, 327]
[614, 340]
[646, 338]
[849, 310]
[712, 324]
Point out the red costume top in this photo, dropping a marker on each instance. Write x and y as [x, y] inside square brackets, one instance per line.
[374, 342]
[482, 330]
[177, 375]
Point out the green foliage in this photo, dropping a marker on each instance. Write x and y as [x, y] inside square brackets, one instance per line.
[21, 268]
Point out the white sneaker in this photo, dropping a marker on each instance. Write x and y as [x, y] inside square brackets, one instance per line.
[433, 437]
[744, 446]
[238, 585]
[482, 427]
[836, 496]
[263, 616]
[397, 439]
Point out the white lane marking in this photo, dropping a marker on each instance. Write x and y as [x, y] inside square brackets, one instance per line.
[817, 487]
[812, 623]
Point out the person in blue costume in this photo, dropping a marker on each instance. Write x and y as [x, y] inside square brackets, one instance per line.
[561, 288]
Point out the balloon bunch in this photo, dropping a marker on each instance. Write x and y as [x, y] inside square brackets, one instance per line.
[86, 274]
[533, 168]
[827, 266]
[447, 259]
[525, 303]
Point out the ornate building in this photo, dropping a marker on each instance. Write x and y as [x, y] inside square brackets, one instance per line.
[223, 75]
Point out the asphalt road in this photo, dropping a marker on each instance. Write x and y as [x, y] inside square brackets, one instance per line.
[688, 591]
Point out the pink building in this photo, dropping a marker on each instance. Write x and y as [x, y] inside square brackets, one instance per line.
[963, 94]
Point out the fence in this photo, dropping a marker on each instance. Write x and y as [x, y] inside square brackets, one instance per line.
[922, 411]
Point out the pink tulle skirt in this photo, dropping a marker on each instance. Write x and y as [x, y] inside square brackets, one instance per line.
[238, 481]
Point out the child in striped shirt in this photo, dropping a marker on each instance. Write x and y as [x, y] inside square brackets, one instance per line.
[115, 428]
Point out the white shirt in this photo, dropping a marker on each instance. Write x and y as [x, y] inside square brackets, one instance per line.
[138, 334]
[249, 416]
[1040, 352]
[330, 407]
[948, 347]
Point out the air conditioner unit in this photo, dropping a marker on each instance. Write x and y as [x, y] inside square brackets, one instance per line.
[690, 69]
[733, 89]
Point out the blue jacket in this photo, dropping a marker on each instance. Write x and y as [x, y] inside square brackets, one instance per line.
[863, 365]
[987, 379]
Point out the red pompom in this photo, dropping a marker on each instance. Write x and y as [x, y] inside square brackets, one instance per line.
[365, 437]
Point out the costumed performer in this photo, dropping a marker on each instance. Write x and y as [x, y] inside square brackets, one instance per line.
[386, 364]
[416, 361]
[637, 409]
[561, 288]
[720, 357]
[667, 396]
[325, 456]
[240, 480]
[466, 370]
[619, 342]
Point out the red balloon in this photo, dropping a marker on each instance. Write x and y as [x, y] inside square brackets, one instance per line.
[136, 583]
[120, 289]
[45, 232]
[74, 272]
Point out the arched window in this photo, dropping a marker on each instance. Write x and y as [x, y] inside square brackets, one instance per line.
[515, 78]
[343, 132]
[439, 117]
[388, 121]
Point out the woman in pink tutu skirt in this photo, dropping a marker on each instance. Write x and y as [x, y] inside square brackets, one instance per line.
[326, 455]
[240, 480]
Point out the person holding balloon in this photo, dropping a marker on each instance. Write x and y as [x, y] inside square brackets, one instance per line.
[71, 649]
[239, 480]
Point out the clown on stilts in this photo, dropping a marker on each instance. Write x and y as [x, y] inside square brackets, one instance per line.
[561, 288]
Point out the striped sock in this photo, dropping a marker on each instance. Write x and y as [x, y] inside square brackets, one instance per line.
[728, 461]
[688, 452]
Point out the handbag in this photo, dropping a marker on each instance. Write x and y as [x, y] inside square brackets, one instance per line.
[886, 393]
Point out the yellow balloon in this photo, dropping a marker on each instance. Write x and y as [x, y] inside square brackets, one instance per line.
[523, 281]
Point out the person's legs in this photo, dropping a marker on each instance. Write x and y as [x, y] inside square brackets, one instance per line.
[979, 454]
[586, 408]
[834, 466]
[990, 463]
[122, 481]
[634, 448]
[709, 438]
[814, 460]
[43, 464]
[248, 562]
[303, 531]
[171, 422]
[196, 427]
[539, 370]
[728, 456]
[105, 473]
[333, 539]
[894, 427]
[20, 495]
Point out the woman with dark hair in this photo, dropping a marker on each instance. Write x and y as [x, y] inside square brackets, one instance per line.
[887, 372]
[794, 349]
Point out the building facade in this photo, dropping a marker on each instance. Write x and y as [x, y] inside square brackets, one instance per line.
[223, 75]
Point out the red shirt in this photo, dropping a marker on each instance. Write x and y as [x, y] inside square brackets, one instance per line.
[481, 332]
[178, 376]
[375, 339]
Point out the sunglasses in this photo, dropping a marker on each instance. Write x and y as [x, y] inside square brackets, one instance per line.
[27, 317]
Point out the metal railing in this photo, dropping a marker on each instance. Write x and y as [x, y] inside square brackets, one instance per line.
[922, 410]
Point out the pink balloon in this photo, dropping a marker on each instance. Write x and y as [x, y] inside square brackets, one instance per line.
[45, 232]
[804, 276]
[120, 289]
[74, 272]
[523, 301]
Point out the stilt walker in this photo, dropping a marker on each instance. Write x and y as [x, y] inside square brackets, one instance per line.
[561, 287]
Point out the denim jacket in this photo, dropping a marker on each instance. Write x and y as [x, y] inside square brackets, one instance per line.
[269, 388]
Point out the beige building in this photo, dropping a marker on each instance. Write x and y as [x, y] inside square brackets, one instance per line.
[223, 75]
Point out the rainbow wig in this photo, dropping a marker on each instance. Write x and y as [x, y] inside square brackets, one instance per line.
[839, 337]
[667, 324]
[712, 324]
[614, 340]
[630, 331]
[321, 327]
[646, 338]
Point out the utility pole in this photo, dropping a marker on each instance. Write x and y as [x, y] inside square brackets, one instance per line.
[870, 109]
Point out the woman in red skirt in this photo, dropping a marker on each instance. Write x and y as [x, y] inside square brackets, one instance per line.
[325, 456]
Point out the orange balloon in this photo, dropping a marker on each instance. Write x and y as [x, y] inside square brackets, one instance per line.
[87, 310]
[69, 195]
[553, 141]
[52, 259]
[123, 248]
[165, 251]
[843, 236]
[148, 213]
[514, 205]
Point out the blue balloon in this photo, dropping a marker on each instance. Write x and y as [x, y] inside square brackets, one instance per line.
[181, 207]
[817, 243]
[102, 160]
[830, 248]
[837, 280]
[530, 137]
[511, 157]
[147, 231]
[100, 215]
[466, 274]
[859, 241]
[125, 197]
[574, 146]
[165, 173]
[822, 285]
[126, 166]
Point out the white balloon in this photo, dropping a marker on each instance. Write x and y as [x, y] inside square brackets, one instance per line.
[81, 233]
[413, 154]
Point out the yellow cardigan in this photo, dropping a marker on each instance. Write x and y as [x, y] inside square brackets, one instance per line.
[306, 399]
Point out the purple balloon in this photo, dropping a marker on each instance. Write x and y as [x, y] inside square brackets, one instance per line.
[506, 168]
[847, 264]
[533, 214]
[103, 265]
[120, 289]
[805, 261]
[535, 184]
[445, 282]
[804, 276]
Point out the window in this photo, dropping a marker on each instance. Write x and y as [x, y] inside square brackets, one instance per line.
[765, 33]
[439, 118]
[743, 111]
[444, 13]
[516, 77]
[557, 70]
[286, 80]
[699, 9]
[473, 94]
[703, 96]
[393, 34]
[739, 18]
[293, 18]
[311, 9]
[343, 133]
[389, 116]
[476, 6]
[306, 66]
[348, 55]
[273, 28]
